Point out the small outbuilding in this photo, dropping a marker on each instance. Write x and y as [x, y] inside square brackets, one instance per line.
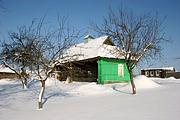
[158, 72]
[5, 72]
[94, 60]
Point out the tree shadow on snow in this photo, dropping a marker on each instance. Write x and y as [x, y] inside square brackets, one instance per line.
[55, 95]
[117, 90]
[32, 83]
[10, 89]
[7, 92]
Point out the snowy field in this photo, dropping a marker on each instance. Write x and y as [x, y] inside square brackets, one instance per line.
[156, 99]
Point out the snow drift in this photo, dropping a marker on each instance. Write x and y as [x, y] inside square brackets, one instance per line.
[18, 104]
[143, 82]
[92, 89]
[76, 88]
[52, 82]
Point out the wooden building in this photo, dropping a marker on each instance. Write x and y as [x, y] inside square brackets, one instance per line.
[158, 72]
[94, 60]
[6, 73]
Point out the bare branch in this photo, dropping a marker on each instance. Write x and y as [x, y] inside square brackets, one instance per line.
[137, 36]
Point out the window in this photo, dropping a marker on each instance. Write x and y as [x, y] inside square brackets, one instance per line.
[121, 70]
[157, 73]
[151, 73]
[146, 73]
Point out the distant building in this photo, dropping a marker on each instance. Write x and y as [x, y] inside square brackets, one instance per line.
[160, 72]
[5, 72]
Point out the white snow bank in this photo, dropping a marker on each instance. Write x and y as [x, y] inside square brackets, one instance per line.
[52, 82]
[7, 81]
[143, 82]
[92, 89]
[18, 104]
[170, 80]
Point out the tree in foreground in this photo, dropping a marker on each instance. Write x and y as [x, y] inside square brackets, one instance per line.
[38, 49]
[137, 37]
[49, 49]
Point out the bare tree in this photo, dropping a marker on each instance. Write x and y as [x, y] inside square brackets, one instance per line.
[137, 37]
[47, 53]
[39, 49]
[17, 53]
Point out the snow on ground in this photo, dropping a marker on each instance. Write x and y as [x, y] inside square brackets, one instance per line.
[171, 80]
[141, 82]
[92, 89]
[156, 99]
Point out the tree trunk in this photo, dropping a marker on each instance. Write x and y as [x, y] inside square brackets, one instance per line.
[24, 76]
[132, 83]
[68, 79]
[24, 83]
[41, 94]
[131, 77]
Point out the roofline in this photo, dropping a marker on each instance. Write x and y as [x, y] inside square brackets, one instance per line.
[92, 59]
[164, 68]
[109, 38]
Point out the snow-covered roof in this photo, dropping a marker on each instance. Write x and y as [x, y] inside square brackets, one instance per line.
[162, 68]
[99, 47]
[5, 69]
[88, 36]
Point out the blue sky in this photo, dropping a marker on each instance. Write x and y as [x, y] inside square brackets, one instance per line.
[82, 12]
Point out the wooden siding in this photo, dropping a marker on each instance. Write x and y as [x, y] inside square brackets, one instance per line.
[173, 74]
[7, 75]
